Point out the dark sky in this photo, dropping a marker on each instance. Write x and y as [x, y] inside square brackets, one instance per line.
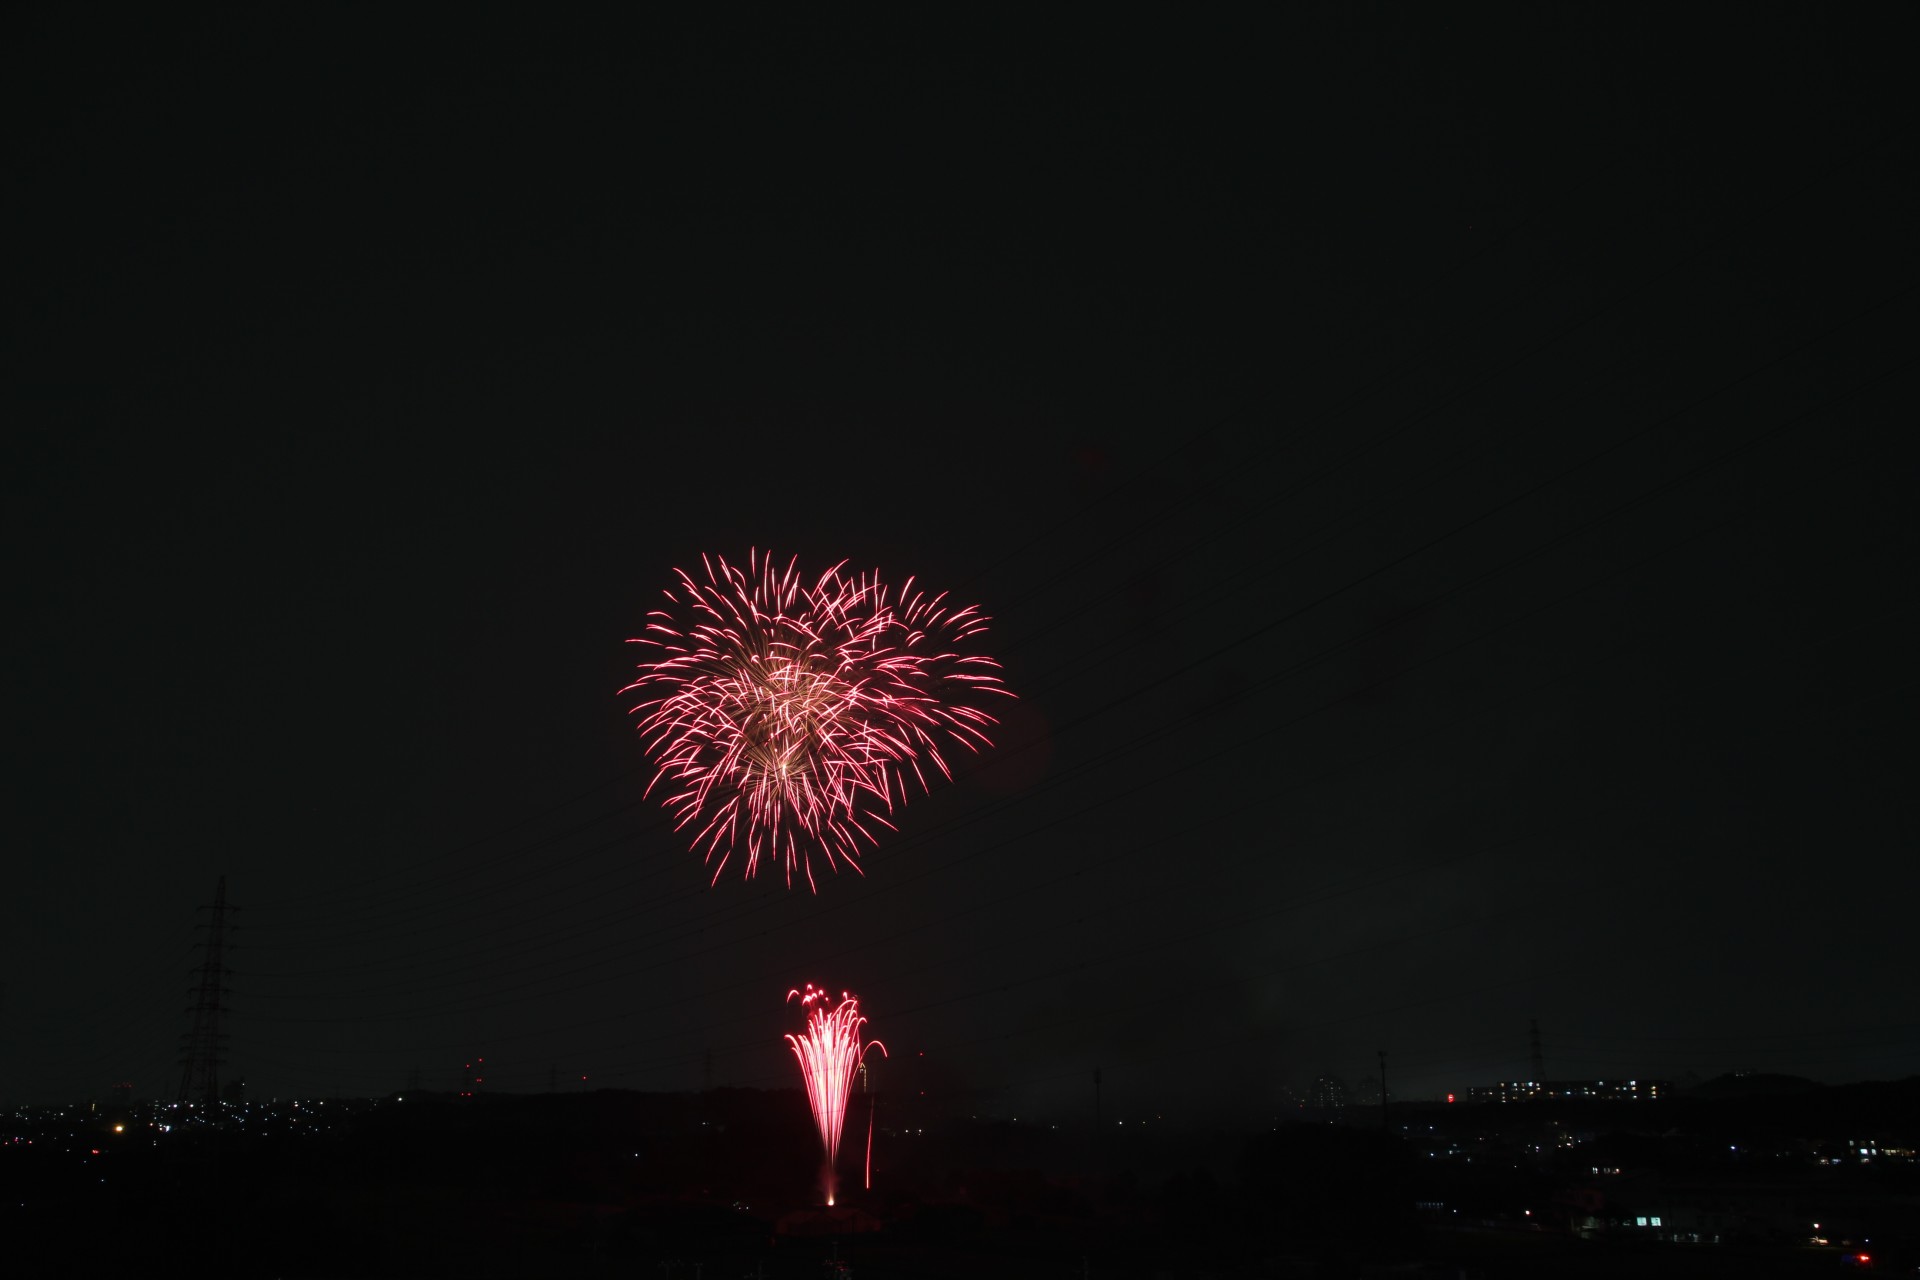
[1435, 482]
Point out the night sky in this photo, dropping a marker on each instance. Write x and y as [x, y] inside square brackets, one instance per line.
[1435, 483]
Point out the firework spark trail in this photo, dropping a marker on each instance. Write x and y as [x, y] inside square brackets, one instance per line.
[830, 1052]
[791, 718]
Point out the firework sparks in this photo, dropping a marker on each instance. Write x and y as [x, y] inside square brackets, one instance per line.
[830, 1052]
[791, 719]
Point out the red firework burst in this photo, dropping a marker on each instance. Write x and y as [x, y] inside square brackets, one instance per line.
[788, 718]
[830, 1051]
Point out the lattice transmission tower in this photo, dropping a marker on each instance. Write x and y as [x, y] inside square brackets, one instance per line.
[204, 1046]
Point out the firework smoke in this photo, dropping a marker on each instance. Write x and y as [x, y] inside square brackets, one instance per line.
[830, 1052]
[788, 719]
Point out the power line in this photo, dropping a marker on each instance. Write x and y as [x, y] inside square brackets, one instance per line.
[1736, 450]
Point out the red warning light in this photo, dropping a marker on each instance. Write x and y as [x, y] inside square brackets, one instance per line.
[1449, 1097]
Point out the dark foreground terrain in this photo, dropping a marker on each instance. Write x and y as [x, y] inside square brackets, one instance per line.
[622, 1184]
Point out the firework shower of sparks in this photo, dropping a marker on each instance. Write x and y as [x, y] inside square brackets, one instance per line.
[789, 718]
[830, 1052]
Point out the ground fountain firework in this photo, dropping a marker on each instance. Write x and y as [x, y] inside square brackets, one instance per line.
[830, 1051]
[790, 719]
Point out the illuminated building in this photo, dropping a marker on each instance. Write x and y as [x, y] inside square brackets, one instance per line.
[1570, 1091]
[1329, 1093]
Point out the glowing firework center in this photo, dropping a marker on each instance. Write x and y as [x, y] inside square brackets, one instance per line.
[789, 719]
[830, 1053]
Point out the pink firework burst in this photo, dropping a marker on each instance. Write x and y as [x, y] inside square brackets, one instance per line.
[788, 718]
[830, 1051]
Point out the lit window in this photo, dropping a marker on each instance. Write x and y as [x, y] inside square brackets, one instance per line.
[1655, 1220]
[1639, 1222]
